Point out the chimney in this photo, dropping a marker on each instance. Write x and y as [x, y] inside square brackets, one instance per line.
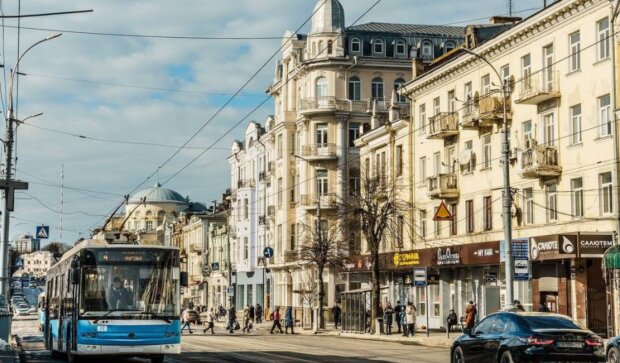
[505, 19]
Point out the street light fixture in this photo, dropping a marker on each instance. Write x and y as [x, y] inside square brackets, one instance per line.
[507, 200]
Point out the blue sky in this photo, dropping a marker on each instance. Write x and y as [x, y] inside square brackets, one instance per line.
[155, 91]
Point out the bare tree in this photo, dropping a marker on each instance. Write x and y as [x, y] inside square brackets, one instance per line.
[378, 213]
[321, 248]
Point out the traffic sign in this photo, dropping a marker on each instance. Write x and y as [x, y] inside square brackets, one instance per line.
[43, 232]
[442, 213]
[230, 291]
[268, 252]
[522, 269]
[419, 276]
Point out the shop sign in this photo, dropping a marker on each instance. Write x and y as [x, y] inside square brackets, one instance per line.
[522, 269]
[568, 244]
[553, 247]
[406, 259]
[520, 248]
[447, 256]
[594, 245]
[484, 253]
[419, 276]
[490, 277]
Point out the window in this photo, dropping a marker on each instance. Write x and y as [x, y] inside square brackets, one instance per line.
[467, 92]
[527, 132]
[149, 225]
[245, 208]
[330, 47]
[321, 90]
[469, 215]
[280, 191]
[377, 46]
[602, 28]
[576, 189]
[528, 205]
[422, 119]
[354, 186]
[400, 47]
[422, 167]
[548, 76]
[367, 167]
[246, 249]
[437, 106]
[354, 133]
[485, 85]
[399, 160]
[384, 167]
[436, 164]
[486, 151]
[293, 246]
[437, 225]
[320, 48]
[355, 89]
[292, 189]
[488, 213]
[575, 125]
[322, 183]
[605, 190]
[453, 221]
[505, 72]
[321, 135]
[526, 72]
[400, 226]
[280, 146]
[552, 202]
[377, 88]
[356, 45]
[313, 49]
[279, 236]
[574, 60]
[451, 101]
[449, 46]
[549, 129]
[604, 115]
[422, 223]
[397, 84]
[427, 49]
[469, 167]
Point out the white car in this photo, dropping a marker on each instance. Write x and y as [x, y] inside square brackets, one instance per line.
[22, 309]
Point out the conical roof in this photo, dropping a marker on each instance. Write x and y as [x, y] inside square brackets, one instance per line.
[328, 17]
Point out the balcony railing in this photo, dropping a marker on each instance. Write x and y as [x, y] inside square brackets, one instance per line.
[470, 115]
[291, 256]
[333, 104]
[443, 186]
[540, 161]
[246, 183]
[309, 201]
[319, 151]
[443, 125]
[262, 176]
[539, 87]
[271, 168]
[491, 109]
[262, 220]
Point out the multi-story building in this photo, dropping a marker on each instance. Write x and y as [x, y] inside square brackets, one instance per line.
[37, 263]
[563, 173]
[218, 259]
[194, 233]
[27, 243]
[326, 85]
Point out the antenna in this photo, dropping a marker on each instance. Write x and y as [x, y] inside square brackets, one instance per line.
[510, 8]
[62, 195]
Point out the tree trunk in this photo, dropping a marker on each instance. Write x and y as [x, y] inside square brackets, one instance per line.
[321, 295]
[376, 290]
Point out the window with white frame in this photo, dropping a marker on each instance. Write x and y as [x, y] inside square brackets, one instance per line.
[322, 185]
[488, 213]
[505, 73]
[377, 46]
[528, 205]
[422, 170]
[356, 45]
[575, 124]
[355, 89]
[602, 31]
[606, 193]
[468, 92]
[469, 216]
[471, 165]
[527, 133]
[437, 225]
[526, 72]
[449, 46]
[149, 225]
[549, 129]
[576, 191]
[427, 49]
[280, 145]
[400, 47]
[321, 135]
[280, 191]
[437, 164]
[422, 125]
[354, 133]
[245, 208]
[604, 115]
[548, 75]
[377, 88]
[485, 85]
[486, 151]
[437, 106]
[552, 202]
[451, 101]
[422, 223]
[293, 238]
[354, 185]
[574, 57]
[246, 248]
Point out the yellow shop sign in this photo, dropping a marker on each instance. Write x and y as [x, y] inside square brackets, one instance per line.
[406, 259]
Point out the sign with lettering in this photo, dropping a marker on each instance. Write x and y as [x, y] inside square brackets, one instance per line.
[553, 247]
[406, 259]
[447, 256]
[522, 269]
[419, 276]
[594, 245]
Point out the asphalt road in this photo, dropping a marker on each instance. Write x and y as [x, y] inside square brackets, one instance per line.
[260, 348]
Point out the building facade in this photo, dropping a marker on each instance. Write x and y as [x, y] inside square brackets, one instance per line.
[27, 243]
[37, 263]
[218, 260]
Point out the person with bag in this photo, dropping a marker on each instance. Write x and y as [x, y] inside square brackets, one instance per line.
[259, 313]
[288, 320]
[276, 320]
[388, 314]
[398, 309]
[247, 323]
[232, 319]
[210, 324]
[410, 311]
[470, 315]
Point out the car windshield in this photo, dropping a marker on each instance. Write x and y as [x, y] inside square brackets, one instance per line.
[551, 322]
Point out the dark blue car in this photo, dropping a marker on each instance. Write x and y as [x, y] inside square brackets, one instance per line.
[613, 350]
[508, 337]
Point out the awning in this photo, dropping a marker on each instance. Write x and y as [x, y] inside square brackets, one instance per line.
[611, 258]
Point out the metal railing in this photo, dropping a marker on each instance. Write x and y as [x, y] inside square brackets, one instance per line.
[539, 87]
[327, 200]
[319, 150]
[493, 106]
[444, 124]
[442, 184]
[540, 160]
[331, 103]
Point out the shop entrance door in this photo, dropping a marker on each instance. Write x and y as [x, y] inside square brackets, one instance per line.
[550, 299]
[596, 299]
[491, 299]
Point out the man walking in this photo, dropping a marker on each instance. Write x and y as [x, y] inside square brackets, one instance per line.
[232, 318]
[210, 324]
[276, 320]
[336, 312]
[388, 314]
[259, 313]
[186, 321]
[252, 313]
[288, 320]
[398, 309]
[410, 311]
[247, 324]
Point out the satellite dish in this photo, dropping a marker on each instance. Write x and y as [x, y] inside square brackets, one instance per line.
[465, 156]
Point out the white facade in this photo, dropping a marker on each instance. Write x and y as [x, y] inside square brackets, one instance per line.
[38, 263]
[27, 243]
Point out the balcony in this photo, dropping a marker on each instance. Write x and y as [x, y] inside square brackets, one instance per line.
[491, 109]
[262, 220]
[271, 211]
[540, 161]
[246, 183]
[291, 256]
[538, 88]
[271, 168]
[323, 104]
[195, 247]
[443, 186]
[470, 115]
[443, 125]
[262, 176]
[319, 152]
[328, 201]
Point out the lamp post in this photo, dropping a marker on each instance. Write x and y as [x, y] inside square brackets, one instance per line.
[507, 200]
[9, 186]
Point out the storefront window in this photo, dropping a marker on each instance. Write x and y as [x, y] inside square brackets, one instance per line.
[436, 299]
[421, 301]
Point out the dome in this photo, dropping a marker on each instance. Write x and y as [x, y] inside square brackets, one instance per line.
[328, 17]
[157, 194]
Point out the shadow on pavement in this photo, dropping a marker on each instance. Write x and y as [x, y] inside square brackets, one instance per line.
[269, 356]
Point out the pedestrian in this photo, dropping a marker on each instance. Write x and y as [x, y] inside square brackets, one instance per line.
[252, 313]
[543, 308]
[410, 311]
[397, 310]
[336, 314]
[210, 324]
[388, 315]
[470, 315]
[247, 324]
[288, 320]
[518, 305]
[232, 318]
[403, 320]
[276, 320]
[259, 313]
[451, 320]
[186, 321]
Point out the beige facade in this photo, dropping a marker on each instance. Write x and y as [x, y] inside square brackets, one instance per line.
[37, 263]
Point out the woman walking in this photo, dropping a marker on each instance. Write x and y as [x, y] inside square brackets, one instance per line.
[288, 320]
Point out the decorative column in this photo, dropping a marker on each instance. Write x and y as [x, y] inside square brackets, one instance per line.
[342, 151]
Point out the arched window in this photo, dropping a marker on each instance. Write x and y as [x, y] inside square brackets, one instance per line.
[313, 49]
[377, 46]
[377, 88]
[400, 48]
[355, 89]
[321, 91]
[320, 50]
[427, 49]
[397, 84]
[149, 213]
[330, 47]
[449, 46]
[356, 45]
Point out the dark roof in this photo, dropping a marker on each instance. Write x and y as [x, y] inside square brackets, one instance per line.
[410, 29]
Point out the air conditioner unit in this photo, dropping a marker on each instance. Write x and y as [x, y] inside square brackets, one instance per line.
[465, 156]
[530, 143]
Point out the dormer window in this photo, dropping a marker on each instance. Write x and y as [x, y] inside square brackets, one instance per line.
[356, 45]
[427, 49]
[377, 46]
[400, 47]
[449, 46]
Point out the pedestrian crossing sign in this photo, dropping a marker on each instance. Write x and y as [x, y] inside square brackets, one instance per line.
[442, 213]
[43, 232]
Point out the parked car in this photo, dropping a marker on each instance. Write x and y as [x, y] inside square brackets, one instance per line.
[508, 337]
[22, 309]
[613, 350]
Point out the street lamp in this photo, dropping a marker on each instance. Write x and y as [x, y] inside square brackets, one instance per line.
[507, 201]
[8, 185]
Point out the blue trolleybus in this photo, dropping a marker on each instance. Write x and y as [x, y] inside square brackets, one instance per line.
[114, 299]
